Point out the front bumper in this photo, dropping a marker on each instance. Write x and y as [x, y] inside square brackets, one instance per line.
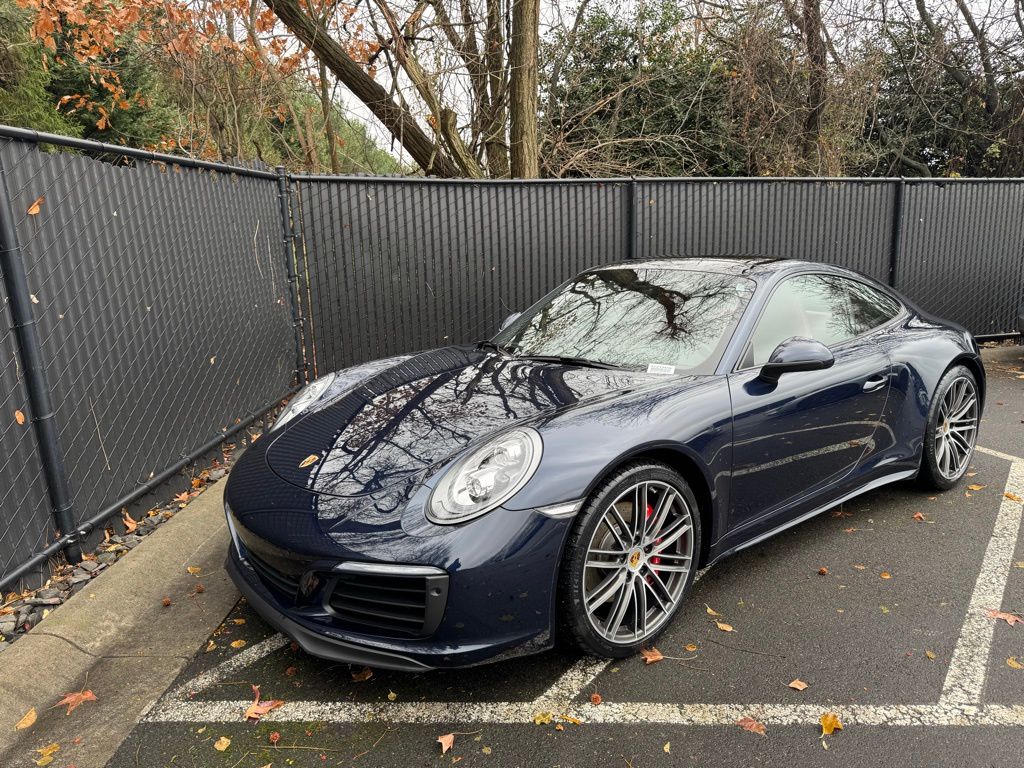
[500, 602]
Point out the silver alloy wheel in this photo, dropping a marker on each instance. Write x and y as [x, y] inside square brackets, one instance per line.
[957, 429]
[638, 562]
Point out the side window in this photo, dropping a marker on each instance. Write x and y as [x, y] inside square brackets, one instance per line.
[871, 308]
[827, 308]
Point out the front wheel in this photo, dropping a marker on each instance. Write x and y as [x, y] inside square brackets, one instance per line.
[952, 429]
[630, 560]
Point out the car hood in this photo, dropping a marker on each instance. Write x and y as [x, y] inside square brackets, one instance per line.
[403, 421]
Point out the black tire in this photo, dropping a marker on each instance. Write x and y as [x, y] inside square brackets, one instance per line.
[575, 626]
[934, 473]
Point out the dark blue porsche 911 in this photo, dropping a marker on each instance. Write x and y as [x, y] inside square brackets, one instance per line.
[566, 479]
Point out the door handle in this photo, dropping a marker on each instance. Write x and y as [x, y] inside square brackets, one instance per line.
[875, 383]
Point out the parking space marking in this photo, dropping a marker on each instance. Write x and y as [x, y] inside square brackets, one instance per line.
[965, 680]
[999, 454]
[959, 705]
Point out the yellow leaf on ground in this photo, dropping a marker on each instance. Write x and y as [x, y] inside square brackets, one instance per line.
[238, 621]
[750, 724]
[667, 749]
[711, 611]
[723, 626]
[798, 685]
[1013, 497]
[542, 718]
[392, 696]
[195, 570]
[651, 655]
[46, 754]
[930, 654]
[236, 644]
[27, 721]
[222, 743]
[975, 487]
[1014, 663]
[830, 722]
[446, 742]
[691, 647]
[885, 575]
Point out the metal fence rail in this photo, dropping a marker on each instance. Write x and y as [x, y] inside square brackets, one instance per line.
[174, 299]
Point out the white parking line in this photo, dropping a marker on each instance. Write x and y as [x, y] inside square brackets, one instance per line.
[965, 680]
[959, 705]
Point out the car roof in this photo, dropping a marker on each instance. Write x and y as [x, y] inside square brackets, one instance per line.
[727, 265]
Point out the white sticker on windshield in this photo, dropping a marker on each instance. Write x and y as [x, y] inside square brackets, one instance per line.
[660, 368]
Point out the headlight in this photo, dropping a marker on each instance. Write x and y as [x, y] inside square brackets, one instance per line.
[486, 478]
[306, 397]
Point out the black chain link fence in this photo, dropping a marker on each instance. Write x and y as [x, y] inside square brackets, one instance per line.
[162, 288]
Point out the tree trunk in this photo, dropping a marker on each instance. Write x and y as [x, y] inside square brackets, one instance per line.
[816, 79]
[328, 109]
[522, 61]
[398, 121]
[494, 58]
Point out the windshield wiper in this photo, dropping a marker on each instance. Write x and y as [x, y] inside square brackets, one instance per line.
[581, 361]
[494, 347]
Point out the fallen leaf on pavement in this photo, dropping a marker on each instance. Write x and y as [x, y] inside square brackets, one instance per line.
[236, 644]
[1009, 618]
[885, 575]
[238, 621]
[750, 724]
[46, 754]
[919, 517]
[691, 647]
[975, 487]
[222, 743]
[542, 718]
[823, 571]
[723, 626]
[667, 749]
[930, 654]
[559, 727]
[1013, 497]
[195, 570]
[595, 698]
[73, 700]
[392, 696]
[651, 655]
[1014, 663]
[210, 646]
[798, 685]
[570, 719]
[362, 675]
[830, 722]
[859, 567]
[259, 708]
[711, 611]
[27, 721]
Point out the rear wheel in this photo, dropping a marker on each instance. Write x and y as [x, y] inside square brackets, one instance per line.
[952, 429]
[630, 560]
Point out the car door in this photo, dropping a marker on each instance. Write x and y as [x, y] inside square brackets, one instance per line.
[796, 438]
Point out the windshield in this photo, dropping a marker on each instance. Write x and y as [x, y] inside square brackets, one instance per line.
[634, 318]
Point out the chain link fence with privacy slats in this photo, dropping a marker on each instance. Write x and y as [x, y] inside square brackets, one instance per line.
[166, 314]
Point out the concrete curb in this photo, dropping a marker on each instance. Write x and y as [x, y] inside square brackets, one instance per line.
[117, 639]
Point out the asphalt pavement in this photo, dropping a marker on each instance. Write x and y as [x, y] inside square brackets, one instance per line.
[879, 606]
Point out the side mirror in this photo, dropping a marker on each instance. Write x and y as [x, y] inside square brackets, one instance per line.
[509, 320]
[796, 354]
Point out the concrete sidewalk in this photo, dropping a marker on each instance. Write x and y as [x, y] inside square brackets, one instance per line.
[118, 639]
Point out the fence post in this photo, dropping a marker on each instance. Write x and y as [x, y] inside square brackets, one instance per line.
[288, 241]
[896, 237]
[33, 366]
[631, 219]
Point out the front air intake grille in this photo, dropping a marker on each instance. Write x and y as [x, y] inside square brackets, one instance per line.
[399, 602]
[273, 577]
